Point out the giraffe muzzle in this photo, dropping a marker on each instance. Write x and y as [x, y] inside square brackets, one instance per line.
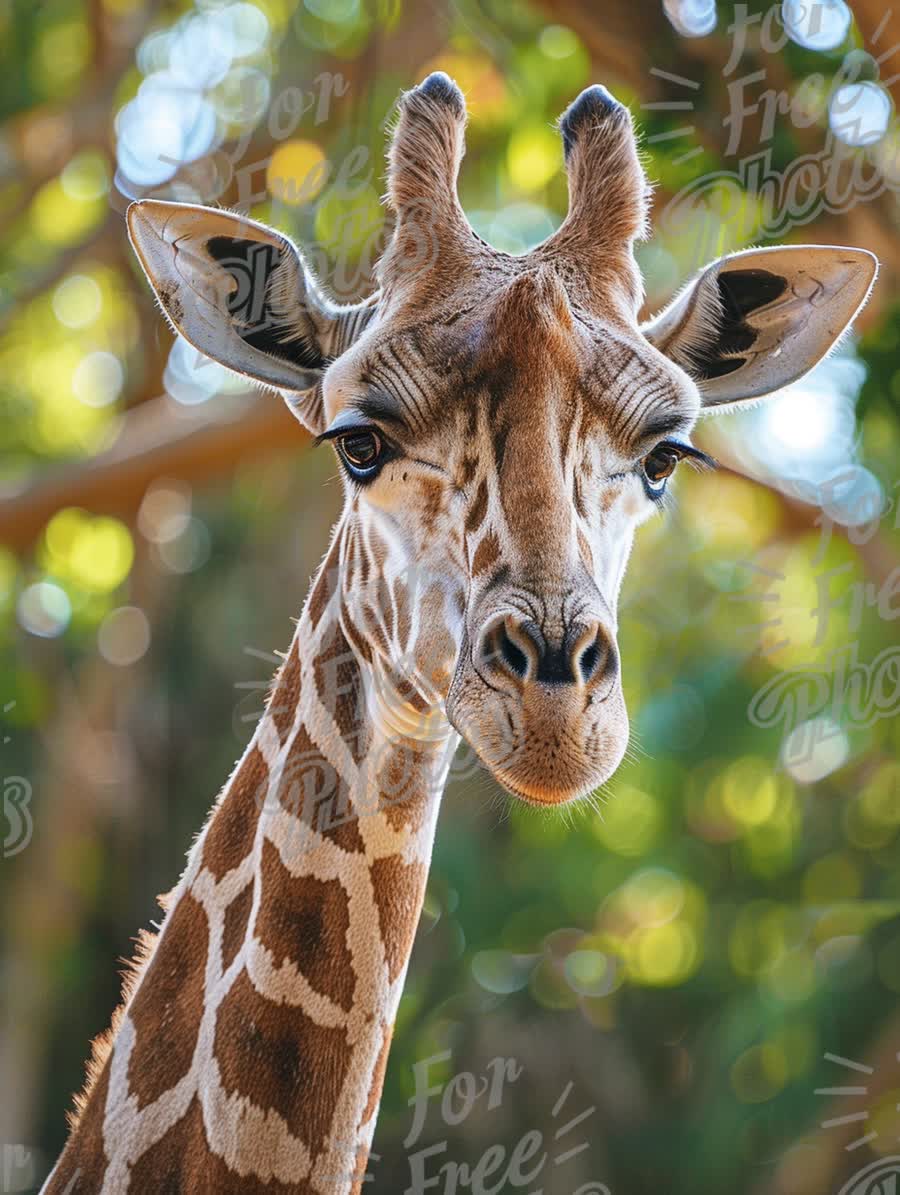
[544, 712]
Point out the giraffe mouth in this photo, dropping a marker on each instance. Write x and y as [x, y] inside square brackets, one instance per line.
[546, 745]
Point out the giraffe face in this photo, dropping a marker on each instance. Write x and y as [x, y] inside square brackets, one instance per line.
[503, 423]
[500, 451]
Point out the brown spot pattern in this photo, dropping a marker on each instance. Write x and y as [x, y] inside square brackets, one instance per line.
[360, 643]
[325, 585]
[486, 554]
[286, 693]
[237, 916]
[468, 470]
[84, 1154]
[478, 509]
[230, 834]
[168, 1004]
[280, 1059]
[306, 921]
[181, 1162]
[312, 792]
[401, 604]
[402, 801]
[339, 686]
[374, 629]
[399, 890]
[432, 502]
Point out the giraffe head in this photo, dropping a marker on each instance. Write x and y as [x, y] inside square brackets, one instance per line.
[503, 423]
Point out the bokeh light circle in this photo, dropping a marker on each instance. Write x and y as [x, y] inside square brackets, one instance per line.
[98, 379]
[816, 24]
[860, 113]
[77, 301]
[124, 636]
[44, 609]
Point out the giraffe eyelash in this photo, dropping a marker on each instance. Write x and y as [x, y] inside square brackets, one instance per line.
[656, 489]
[695, 457]
[333, 433]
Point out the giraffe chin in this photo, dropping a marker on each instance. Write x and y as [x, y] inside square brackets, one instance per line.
[555, 755]
[532, 792]
[534, 788]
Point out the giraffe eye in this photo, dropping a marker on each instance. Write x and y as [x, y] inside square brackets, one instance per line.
[361, 452]
[659, 465]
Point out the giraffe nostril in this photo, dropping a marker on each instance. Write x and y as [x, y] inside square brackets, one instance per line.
[589, 661]
[513, 656]
[518, 649]
[500, 651]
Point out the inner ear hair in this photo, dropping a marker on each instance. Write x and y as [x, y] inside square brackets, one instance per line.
[716, 332]
[266, 302]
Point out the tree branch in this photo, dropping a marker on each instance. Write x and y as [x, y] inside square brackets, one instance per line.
[158, 439]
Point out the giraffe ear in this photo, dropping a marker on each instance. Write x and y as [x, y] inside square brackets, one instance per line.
[755, 321]
[241, 294]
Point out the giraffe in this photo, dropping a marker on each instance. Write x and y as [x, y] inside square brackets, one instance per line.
[503, 425]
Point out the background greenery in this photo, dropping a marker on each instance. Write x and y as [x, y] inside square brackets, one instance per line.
[687, 958]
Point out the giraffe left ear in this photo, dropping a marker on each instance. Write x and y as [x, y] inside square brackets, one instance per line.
[755, 321]
[241, 293]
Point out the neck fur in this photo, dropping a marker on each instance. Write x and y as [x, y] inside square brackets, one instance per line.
[250, 1052]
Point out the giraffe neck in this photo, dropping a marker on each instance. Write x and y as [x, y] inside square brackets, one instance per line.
[250, 1054]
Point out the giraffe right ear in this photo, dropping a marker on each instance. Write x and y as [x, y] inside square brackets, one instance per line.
[760, 319]
[240, 293]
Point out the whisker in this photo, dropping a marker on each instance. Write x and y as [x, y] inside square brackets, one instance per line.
[268, 656]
